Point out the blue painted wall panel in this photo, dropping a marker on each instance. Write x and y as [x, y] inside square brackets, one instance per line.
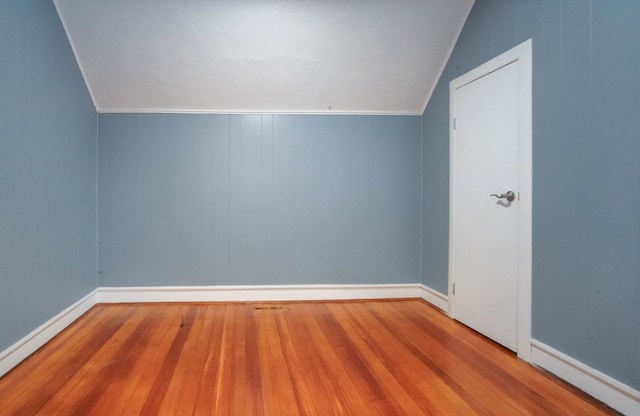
[586, 162]
[258, 199]
[47, 171]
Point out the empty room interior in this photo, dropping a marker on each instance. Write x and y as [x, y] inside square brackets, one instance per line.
[268, 207]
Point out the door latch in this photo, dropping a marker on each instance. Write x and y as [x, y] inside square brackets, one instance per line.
[509, 196]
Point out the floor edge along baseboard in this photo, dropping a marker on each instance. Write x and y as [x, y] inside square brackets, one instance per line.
[612, 392]
[22, 349]
[615, 394]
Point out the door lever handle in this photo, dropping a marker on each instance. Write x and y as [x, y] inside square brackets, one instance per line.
[509, 196]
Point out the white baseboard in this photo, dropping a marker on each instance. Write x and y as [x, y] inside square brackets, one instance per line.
[256, 293]
[13, 355]
[435, 298]
[612, 392]
[617, 395]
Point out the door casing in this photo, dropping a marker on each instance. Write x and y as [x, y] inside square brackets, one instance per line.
[523, 55]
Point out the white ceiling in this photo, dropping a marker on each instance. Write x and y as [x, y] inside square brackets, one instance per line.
[276, 56]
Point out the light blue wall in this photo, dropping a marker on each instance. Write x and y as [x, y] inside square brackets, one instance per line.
[258, 199]
[197, 199]
[47, 171]
[586, 163]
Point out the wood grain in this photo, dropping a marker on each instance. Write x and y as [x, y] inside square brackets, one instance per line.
[296, 358]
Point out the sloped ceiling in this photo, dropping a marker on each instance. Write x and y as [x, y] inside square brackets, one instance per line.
[276, 56]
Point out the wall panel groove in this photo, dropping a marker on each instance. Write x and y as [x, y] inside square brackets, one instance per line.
[294, 199]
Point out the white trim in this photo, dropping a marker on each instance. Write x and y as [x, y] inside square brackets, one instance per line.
[270, 293]
[599, 385]
[252, 111]
[256, 293]
[17, 352]
[525, 226]
[437, 299]
[13, 355]
[522, 54]
[621, 397]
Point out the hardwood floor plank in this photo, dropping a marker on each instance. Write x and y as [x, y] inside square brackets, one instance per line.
[159, 390]
[369, 382]
[140, 368]
[97, 376]
[85, 373]
[69, 357]
[214, 373]
[461, 382]
[382, 368]
[188, 381]
[426, 381]
[279, 392]
[497, 367]
[253, 369]
[499, 386]
[334, 367]
[148, 357]
[295, 358]
[306, 366]
[118, 367]
[228, 367]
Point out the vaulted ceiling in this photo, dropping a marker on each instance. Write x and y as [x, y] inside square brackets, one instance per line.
[276, 56]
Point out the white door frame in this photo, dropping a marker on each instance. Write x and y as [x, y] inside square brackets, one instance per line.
[521, 54]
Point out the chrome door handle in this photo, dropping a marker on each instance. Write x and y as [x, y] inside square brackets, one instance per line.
[509, 196]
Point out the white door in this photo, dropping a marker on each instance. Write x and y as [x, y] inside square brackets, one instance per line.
[485, 201]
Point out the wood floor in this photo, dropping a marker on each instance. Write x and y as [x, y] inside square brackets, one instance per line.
[314, 358]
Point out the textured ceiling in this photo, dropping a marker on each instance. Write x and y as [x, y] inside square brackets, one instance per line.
[320, 56]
